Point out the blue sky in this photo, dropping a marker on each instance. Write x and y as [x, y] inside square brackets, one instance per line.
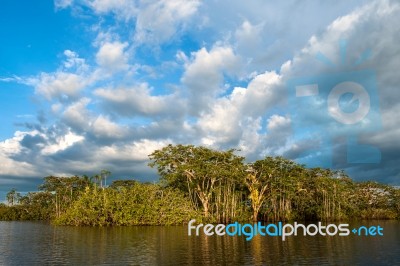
[93, 84]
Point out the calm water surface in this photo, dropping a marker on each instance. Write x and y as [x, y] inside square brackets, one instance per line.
[31, 243]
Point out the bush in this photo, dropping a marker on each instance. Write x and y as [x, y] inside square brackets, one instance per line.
[140, 204]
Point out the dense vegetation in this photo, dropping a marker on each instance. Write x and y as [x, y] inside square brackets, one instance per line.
[204, 184]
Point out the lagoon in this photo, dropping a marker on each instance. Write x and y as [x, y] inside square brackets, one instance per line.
[34, 243]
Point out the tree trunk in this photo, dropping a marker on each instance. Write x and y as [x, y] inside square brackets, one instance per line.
[205, 203]
[205, 208]
[255, 214]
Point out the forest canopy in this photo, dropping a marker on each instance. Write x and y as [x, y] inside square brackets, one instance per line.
[208, 185]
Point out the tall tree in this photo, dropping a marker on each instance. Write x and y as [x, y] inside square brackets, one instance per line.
[269, 178]
[197, 170]
[13, 197]
[98, 179]
[64, 189]
[104, 174]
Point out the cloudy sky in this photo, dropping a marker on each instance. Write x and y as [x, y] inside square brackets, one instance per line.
[87, 85]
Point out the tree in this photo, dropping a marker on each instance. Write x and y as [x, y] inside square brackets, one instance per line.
[97, 179]
[123, 183]
[104, 174]
[13, 197]
[196, 170]
[270, 177]
[65, 190]
[87, 179]
[257, 183]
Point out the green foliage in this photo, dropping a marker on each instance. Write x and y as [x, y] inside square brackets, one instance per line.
[271, 182]
[117, 184]
[139, 204]
[210, 178]
[277, 189]
[34, 206]
[206, 185]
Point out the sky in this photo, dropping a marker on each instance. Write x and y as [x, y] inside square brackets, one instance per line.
[87, 85]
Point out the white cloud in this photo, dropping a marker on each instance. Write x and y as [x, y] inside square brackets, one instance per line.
[11, 167]
[103, 127]
[62, 143]
[11, 79]
[11, 148]
[249, 39]
[251, 142]
[158, 21]
[155, 21]
[60, 85]
[204, 74]
[76, 115]
[125, 122]
[221, 124]
[138, 101]
[263, 92]
[60, 4]
[64, 84]
[276, 121]
[371, 27]
[74, 61]
[134, 151]
[279, 135]
[57, 107]
[111, 56]
[236, 120]
[210, 64]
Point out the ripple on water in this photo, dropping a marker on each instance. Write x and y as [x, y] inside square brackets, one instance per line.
[34, 243]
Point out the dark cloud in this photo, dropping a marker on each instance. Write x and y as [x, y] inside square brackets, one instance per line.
[31, 142]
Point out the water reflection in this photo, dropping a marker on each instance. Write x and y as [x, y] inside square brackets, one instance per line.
[38, 243]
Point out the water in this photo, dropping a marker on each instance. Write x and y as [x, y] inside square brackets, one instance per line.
[34, 243]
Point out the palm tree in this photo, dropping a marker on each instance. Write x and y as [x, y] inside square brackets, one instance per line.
[104, 174]
[98, 179]
[87, 180]
[13, 197]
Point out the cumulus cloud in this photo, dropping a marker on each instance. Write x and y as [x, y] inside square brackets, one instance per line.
[74, 61]
[138, 100]
[76, 115]
[370, 27]
[204, 75]
[223, 124]
[66, 83]
[158, 21]
[249, 39]
[111, 56]
[62, 143]
[279, 132]
[236, 119]
[60, 85]
[133, 151]
[103, 127]
[230, 91]
[10, 166]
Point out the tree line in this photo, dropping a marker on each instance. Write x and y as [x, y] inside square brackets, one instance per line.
[207, 185]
